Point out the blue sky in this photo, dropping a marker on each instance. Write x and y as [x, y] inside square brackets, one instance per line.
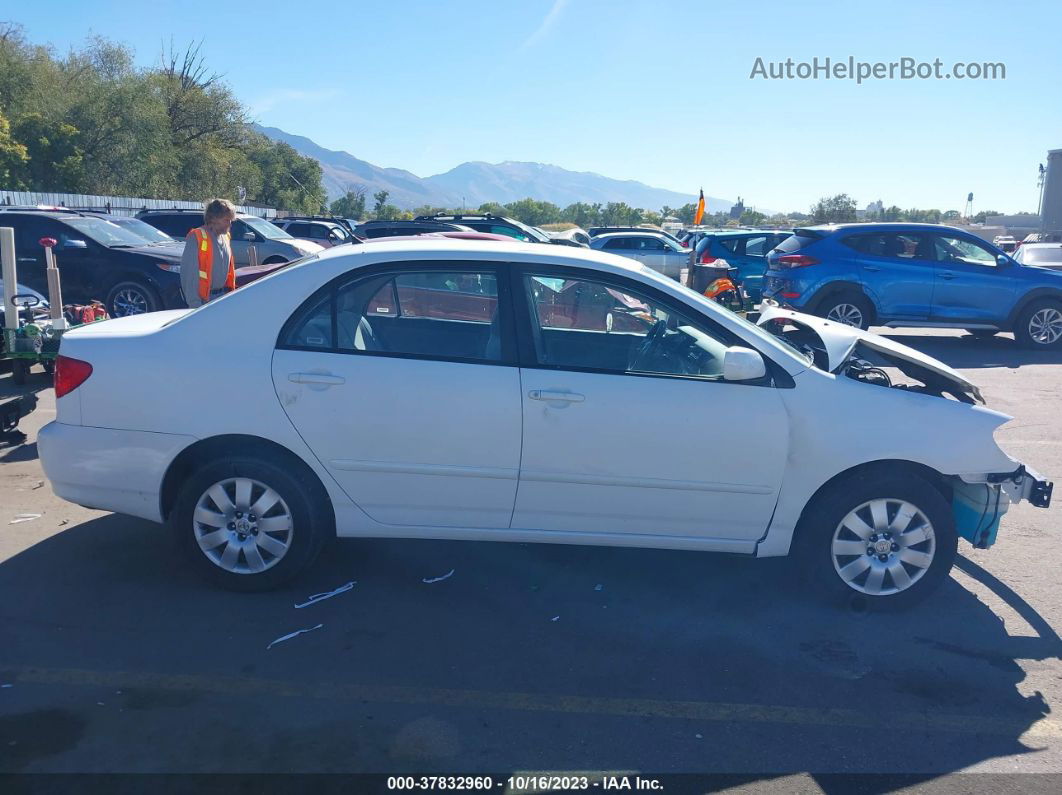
[654, 91]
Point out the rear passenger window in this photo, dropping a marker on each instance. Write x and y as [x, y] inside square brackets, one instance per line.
[730, 244]
[431, 314]
[617, 243]
[756, 246]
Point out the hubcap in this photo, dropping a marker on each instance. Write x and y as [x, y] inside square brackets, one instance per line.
[849, 314]
[242, 525]
[130, 301]
[1045, 326]
[883, 546]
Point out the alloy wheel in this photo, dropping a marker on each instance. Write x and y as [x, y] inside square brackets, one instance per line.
[848, 314]
[242, 525]
[1045, 326]
[883, 546]
[130, 301]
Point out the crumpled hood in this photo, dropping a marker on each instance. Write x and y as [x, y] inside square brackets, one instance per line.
[840, 340]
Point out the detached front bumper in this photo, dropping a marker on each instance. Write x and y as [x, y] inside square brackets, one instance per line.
[978, 503]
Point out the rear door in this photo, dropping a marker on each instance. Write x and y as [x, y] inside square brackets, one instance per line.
[403, 383]
[897, 268]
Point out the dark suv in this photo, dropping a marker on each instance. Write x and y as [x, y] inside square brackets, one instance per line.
[97, 260]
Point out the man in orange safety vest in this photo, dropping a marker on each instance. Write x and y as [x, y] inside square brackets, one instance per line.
[207, 267]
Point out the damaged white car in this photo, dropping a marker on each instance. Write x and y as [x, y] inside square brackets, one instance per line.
[511, 392]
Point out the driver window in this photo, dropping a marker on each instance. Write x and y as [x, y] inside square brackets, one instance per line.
[593, 325]
[959, 250]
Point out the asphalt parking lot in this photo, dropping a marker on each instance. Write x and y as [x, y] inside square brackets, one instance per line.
[115, 658]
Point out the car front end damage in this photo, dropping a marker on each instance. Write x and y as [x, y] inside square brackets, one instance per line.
[980, 500]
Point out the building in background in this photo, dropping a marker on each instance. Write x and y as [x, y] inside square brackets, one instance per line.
[737, 210]
[1051, 208]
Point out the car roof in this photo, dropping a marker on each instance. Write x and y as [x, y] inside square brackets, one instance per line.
[647, 232]
[880, 226]
[1027, 246]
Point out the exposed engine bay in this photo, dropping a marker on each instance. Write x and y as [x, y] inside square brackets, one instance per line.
[866, 357]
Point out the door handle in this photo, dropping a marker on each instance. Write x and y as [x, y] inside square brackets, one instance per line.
[874, 268]
[947, 275]
[316, 378]
[560, 397]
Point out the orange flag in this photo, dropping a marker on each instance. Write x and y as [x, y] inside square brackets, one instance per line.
[700, 209]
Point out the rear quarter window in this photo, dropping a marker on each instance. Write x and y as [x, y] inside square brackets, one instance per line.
[795, 243]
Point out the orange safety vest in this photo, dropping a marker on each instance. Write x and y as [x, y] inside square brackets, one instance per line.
[206, 265]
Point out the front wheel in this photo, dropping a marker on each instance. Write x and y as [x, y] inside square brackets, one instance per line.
[1039, 325]
[888, 540]
[249, 523]
[132, 298]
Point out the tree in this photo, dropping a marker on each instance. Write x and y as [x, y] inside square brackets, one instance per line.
[686, 213]
[381, 200]
[351, 204]
[834, 209]
[533, 212]
[752, 218]
[13, 155]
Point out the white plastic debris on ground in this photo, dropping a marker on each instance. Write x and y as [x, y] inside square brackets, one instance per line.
[320, 597]
[291, 635]
[430, 580]
[25, 517]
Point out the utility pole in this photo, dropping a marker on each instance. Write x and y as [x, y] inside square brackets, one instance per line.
[1040, 203]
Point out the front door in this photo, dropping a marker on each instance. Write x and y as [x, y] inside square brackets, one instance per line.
[404, 386]
[970, 285]
[628, 425]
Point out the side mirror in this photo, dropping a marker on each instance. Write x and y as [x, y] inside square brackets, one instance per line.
[72, 244]
[1002, 260]
[250, 237]
[743, 364]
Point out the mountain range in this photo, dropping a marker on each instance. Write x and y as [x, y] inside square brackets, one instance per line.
[474, 183]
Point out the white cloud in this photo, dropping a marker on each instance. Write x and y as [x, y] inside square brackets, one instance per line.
[547, 23]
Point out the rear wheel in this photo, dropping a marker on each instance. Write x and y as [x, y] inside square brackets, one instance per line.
[132, 298]
[848, 308]
[1039, 325]
[250, 523]
[887, 540]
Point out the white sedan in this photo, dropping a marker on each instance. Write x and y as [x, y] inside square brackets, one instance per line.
[513, 392]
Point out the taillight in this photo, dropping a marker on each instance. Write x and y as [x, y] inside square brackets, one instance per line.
[70, 374]
[706, 258]
[797, 260]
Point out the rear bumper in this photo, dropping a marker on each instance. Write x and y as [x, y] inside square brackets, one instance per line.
[108, 469]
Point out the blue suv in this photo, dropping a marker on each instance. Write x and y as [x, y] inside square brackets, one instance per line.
[744, 249]
[915, 275]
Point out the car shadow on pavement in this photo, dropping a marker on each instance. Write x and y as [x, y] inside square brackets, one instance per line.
[526, 657]
[968, 352]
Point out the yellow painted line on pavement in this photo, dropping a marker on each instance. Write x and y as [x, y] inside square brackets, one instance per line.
[537, 702]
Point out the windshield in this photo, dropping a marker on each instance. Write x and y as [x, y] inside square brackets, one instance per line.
[531, 231]
[105, 233]
[264, 228]
[146, 231]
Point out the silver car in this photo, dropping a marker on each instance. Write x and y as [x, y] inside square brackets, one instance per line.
[272, 244]
[652, 249]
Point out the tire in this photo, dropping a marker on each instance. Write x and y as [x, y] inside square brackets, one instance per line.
[49, 366]
[981, 333]
[826, 546]
[849, 308]
[19, 370]
[308, 524]
[1039, 326]
[132, 298]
